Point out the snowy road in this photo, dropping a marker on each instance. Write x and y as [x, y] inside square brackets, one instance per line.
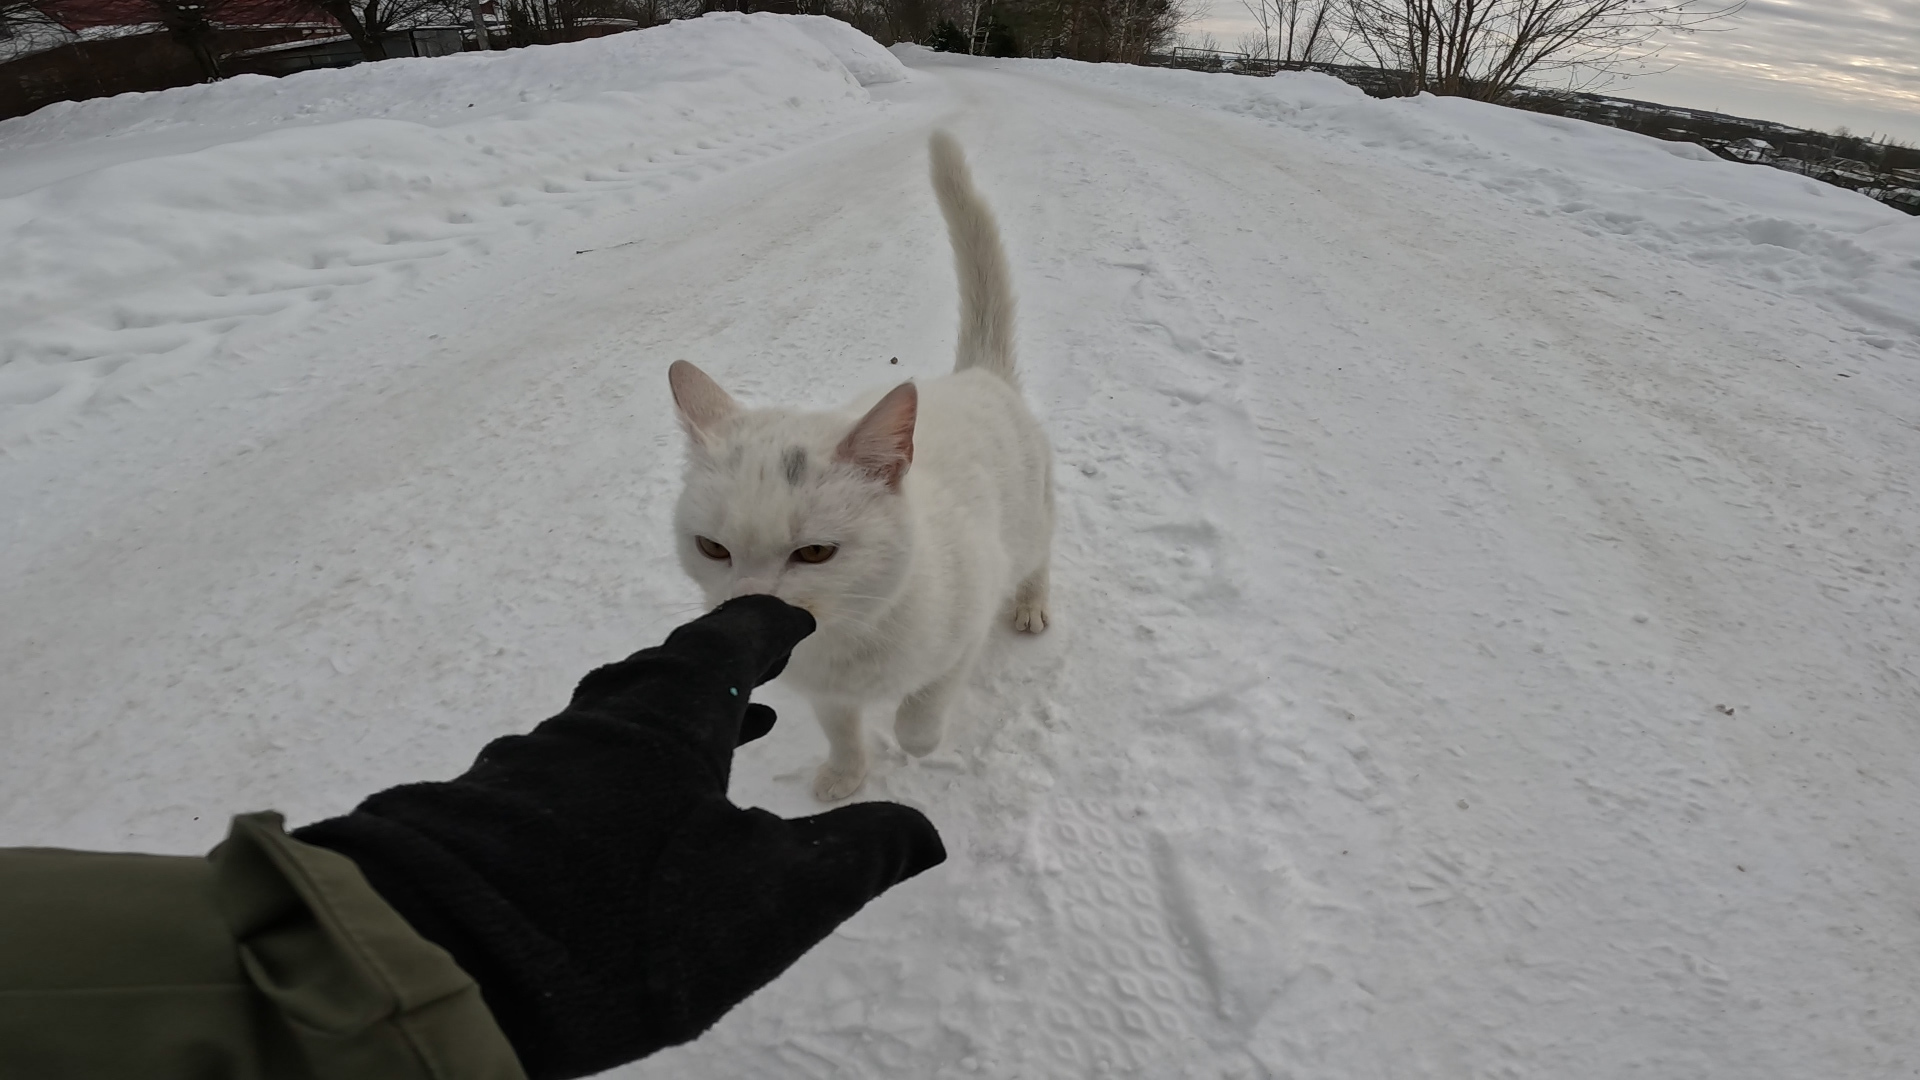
[1484, 646]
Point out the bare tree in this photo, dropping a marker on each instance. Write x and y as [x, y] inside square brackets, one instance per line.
[655, 12]
[1485, 48]
[545, 22]
[196, 25]
[1101, 31]
[1291, 30]
[1095, 30]
[30, 19]
[191, 24]
[368, 22]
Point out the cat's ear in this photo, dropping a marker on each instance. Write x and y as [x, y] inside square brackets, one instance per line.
[701, 403]
[881, 444]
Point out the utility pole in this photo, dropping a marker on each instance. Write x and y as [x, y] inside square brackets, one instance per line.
[480, 39]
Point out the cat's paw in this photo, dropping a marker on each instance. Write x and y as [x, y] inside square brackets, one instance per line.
[1030, 618]
[918, 739]
[831, 784]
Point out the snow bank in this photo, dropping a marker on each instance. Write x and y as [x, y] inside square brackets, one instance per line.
[1769, 229]
[438, 90]
[867, 60]
[142, 230]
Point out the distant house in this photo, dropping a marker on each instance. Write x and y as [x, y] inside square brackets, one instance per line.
[421, 38]
[1752, 151]
[339, 50]
[92, 48]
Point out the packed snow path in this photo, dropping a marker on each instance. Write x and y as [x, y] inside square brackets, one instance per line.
[1483, 646]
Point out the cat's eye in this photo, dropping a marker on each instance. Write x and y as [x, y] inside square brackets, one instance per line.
[712, 550]
[815, 553]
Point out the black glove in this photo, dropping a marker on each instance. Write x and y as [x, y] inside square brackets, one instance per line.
[592, 876]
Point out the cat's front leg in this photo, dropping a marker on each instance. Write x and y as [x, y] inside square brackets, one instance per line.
[921, 719]
[1030, 615]
[846, 766]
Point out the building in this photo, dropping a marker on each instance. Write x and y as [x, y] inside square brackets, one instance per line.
[92, 48]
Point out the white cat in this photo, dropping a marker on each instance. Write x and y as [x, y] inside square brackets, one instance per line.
[903, 523]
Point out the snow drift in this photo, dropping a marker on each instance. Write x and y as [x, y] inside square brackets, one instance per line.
[141, 230]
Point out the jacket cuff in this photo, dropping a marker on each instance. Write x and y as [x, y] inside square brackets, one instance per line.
[362, 993]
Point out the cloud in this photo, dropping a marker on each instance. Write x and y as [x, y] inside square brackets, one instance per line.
[1814, 62]
[1822, 63]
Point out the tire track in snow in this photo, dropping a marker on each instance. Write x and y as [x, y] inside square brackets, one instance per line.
[1402, 478]
[1253, 935]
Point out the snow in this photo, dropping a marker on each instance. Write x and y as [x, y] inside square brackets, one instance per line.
[1485, 608]
[129, 262]
[1762, 225]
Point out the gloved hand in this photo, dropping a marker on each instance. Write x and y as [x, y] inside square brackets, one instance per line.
[592, 876]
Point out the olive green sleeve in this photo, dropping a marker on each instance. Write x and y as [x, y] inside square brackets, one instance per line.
[267, 959]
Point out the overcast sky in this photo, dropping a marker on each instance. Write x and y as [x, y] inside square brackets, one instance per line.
[1813, 63]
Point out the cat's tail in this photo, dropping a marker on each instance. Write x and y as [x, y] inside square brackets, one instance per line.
[986, 293]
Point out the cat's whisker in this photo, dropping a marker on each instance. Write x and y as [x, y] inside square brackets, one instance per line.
[674, 615]
[845, 620]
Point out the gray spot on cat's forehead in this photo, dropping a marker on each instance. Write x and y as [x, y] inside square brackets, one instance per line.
[794, 463]
[735, 456]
